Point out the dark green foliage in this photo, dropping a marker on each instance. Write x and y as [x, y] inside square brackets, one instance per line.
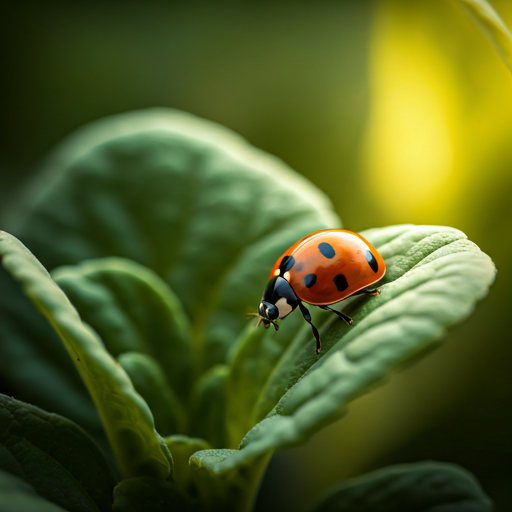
[57, 458]
[147, 494]
[420, 487]
[180, 222]
[18, 496]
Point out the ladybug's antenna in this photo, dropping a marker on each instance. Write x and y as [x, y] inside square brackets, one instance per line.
[262, 320]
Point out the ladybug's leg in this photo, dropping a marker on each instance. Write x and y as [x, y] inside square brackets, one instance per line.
[367, 292]
[276, 327]
[266, 323]
[307, 317]
[344, 317]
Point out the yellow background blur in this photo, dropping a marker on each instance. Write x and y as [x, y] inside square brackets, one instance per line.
[400, 111]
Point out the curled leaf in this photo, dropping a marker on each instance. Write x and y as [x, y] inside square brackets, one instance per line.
[132, 309]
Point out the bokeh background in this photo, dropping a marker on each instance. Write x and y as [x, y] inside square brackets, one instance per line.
[400, 111]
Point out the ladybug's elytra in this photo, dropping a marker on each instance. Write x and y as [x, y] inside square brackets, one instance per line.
[323, 268]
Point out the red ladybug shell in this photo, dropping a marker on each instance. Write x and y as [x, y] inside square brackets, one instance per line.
[330, 265]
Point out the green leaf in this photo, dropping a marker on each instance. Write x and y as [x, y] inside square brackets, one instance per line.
[132, 309]
[182, 448]
[126, 417]
[18, 496]
[434, 278]
[150, 382]
[57, 457]
[419, 487]
[148, 494]
[185, 197]
[491, 24]
[208, 407]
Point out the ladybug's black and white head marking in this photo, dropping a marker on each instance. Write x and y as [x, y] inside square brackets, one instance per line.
[278, 301]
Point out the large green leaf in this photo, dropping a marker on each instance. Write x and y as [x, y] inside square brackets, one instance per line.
[419, 487]
[57, 458]
[18, 496]
[184, 197]
[126, 417]
[402, 247]
[132, 310]
[434, 277]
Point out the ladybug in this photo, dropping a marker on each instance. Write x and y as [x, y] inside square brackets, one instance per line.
[320, 269]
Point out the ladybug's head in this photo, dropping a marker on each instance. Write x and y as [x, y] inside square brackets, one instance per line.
[268, 311]
[278, 301]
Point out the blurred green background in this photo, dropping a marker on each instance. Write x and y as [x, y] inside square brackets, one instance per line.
[400, 111]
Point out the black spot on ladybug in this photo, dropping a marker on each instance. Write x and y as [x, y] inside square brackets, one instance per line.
[341, 282]
[299, 266]
[310, 280]
[370, 258]
[326, 249]
[286, 264]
